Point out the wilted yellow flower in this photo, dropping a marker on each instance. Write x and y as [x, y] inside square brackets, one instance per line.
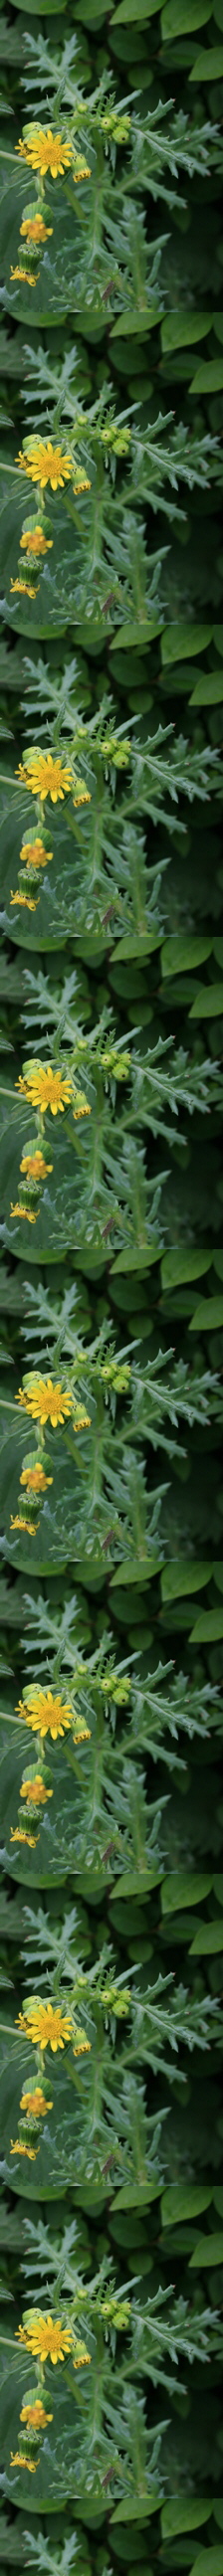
[25, 585]
[35, 229]
[17, 1521]
[29, 904]
[45, 2024]
[45, 1713]
[19, 2461]
[45, 1402]
[35, 2415]
[26, 275]
[34, 855]
[45, 1089]
[45, 151]
[33, 542]
[34, 1479]
[17, 2149]
[36, 1170]
[17, 1836]
[45, 2336]
[32, 2101]
[44, 776]
[18, 1210]
[45, 463]
[34, 1792]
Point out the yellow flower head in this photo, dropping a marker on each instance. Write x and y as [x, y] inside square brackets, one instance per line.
[44, 776]
[18, 1210]
[25, 274]
[33, 542]
[17, 2149]
[45, 1402]
[19, 2461]
[18, 1521]
[34, 2101]
[34, 1793]
[34, 855]
[35, 2415]
[35, 229]
[45, 151]
[34, 1479]
[16, 1836]
[45, 463]
[27, 586]
[45, 2336]
[45, 2025]
[45, 1089]
[29, 906]
[45, 1713]
[80, 2356]
[36, 1170]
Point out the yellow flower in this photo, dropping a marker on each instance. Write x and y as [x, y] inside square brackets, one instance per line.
[19, 2461]
[34, 2102]
[34, 1792]
[35, 2415]
[16, 1836]
[16, 1210]
[45, 151]
[34, 855]
[18, 1521]
[30, 906]
[45, 2025]
[45, 1089]
[34, 1479]
[45, 1402]
[34, 543]
[25, 585]
[17, 2149]
[45, 2336]
[26, 274]
[35, 228]
[36, 1169]
[45, 463]
[46, 1714]
[45, 776]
